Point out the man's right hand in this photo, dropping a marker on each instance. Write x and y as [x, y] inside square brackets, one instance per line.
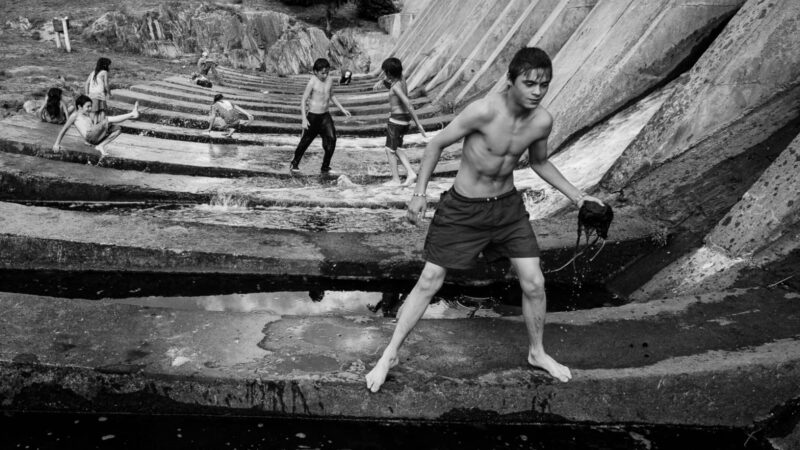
[305, 123]
[416, 209]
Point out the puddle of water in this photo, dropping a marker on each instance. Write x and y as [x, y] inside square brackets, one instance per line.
[292, 295]
[326, 303]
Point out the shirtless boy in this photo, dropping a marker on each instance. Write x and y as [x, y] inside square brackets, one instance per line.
[316, 118]
[99, 134]
[401, 115]
[483, 212]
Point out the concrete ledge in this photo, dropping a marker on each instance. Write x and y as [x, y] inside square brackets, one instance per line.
[715, 360]
[52, 239]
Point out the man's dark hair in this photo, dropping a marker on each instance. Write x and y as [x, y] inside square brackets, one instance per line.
[321, 64]
[392, 67]
[82, 100]
[217, 98]
[527, 59]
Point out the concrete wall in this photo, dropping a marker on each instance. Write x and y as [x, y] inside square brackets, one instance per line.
[751, 74]
[464, 20]
[434, 51]
[395, 24]
[542, 17]
[622, 50]
[763, 227]
[550, 37]
[469, 40]
[510, 20]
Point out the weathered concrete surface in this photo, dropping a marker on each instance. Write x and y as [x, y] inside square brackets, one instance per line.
[465, 19]
[762, 228]
[682, 361]
[550, 37]
[497, 50]
[428, 33]
[491, 38]
[364, 162]
[621, 50]
[744, 88]
[436, 51]
[469, 39]
[51, 239]
[405, 44]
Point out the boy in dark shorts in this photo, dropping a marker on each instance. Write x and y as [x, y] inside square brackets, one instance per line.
[401, 115]
[483, 212]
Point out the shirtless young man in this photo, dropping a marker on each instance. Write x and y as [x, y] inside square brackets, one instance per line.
[483, 211]
[99, 133]
[316, 119]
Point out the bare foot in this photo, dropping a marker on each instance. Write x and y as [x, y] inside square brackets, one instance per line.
[135, 110]
[410, 179]
[392, 183]
[230, 133]
[102, 149]
[544, 361]
[377, 375]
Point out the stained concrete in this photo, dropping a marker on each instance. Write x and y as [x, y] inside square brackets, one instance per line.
[760, 229]
[744, 88]
[468, 41]
[685, 361]
[38, 238]
[621, 50]
[464, 19]
[550, 37]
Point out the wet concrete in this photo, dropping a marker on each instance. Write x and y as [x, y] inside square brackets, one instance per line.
[51, 239]
[677, 361]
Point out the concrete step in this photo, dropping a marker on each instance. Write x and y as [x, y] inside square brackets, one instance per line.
[673, 361]
[291, 80]
[372, 98]
[27, 135]
[148, 100]
[212, 243]
[205, 98]
[354, 126]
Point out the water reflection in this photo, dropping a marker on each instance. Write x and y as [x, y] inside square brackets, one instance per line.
[317, 302]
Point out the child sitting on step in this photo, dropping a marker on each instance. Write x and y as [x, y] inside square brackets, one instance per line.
[54, 110]
[229, 114]
[99, 134]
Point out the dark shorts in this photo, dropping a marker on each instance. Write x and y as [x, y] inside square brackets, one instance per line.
[98, 105]
[394, 135]
[99, 131]
[464, 227]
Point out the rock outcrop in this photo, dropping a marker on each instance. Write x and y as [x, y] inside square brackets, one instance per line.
[265, 40]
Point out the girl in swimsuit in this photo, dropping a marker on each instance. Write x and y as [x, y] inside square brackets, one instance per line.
[53, 110]
[229, 114]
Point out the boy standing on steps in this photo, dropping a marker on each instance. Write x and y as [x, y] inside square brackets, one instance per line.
[401, 115]
[316, 118]
[483, 212]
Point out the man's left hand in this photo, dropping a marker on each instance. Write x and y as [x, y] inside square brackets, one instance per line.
[590, 199]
